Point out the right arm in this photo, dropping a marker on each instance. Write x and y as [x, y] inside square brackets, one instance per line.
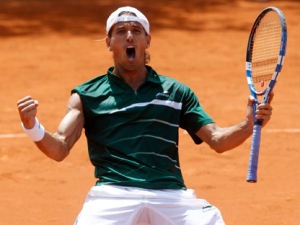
[227, 138]
[58, 145]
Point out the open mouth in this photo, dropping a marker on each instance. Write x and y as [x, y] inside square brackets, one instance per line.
[130, 51]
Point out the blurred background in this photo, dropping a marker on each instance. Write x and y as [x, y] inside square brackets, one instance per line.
[49, 47]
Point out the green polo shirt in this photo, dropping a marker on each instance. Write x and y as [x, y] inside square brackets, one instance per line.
[133, 135]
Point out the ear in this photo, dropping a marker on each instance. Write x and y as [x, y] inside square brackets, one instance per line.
[107, 40]
[148, 41]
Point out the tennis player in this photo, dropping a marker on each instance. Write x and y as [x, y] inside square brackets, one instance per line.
[131, 116]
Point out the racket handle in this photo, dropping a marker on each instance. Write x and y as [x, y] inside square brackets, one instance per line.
[254, 153]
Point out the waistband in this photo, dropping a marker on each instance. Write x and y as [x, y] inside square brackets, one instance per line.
[114, 191]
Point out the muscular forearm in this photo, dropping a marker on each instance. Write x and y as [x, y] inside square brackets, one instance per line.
[53, 147]
[224, 139]
[58, 145]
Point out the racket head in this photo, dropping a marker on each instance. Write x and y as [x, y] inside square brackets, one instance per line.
[266, 51]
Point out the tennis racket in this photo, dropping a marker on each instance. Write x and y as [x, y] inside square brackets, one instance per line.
[264, 59]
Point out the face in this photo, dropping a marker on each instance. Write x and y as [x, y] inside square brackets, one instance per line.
[128, 42]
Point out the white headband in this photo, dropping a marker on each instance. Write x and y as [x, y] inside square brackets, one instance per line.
[115, 18]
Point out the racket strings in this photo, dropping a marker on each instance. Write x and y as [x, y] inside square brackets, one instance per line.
[265, 49]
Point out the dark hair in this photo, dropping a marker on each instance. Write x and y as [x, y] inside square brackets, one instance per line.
[127, 13]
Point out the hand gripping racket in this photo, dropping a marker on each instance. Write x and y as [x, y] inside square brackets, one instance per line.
[264, 59]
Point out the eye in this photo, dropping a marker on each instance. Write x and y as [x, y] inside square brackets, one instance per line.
[137, 30]
[120, 31]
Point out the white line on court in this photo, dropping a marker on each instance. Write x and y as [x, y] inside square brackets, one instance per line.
[286, 130]
[12, 135]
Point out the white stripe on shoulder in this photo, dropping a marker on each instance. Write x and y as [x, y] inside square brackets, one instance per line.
[172, 104]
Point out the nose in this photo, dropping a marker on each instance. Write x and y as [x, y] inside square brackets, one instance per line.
[129, 36]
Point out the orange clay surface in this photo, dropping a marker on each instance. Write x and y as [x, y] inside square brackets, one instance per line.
[48, 47]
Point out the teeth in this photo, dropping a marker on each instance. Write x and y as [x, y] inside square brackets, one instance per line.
[130, 47]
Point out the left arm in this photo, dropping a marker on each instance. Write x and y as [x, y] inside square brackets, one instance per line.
[224, 139]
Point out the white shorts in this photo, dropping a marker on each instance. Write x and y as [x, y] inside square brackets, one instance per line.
[117, 205]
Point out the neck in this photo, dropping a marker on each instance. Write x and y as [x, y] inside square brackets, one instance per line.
[134, 78]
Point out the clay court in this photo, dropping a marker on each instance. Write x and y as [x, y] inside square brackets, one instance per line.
[48, 47]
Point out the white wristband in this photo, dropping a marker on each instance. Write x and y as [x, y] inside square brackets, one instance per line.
[37, 132]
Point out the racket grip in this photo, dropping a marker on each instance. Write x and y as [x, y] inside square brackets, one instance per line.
[254, 153]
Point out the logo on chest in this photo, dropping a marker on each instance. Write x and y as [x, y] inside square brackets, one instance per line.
[163, 96]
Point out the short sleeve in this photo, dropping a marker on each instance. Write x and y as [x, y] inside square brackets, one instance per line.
[193, 116]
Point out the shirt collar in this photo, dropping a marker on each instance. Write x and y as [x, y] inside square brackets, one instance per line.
[152, 77]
